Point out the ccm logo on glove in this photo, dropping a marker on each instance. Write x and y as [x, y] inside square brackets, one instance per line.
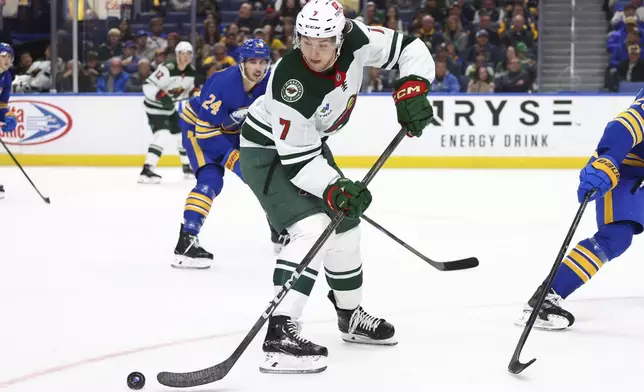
[409, 90]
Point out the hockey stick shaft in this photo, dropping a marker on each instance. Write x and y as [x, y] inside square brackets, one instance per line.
[45, 199]
[219, 371]
[441, 266]
[515, 365]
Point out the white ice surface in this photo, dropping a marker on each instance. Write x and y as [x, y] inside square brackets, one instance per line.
[87, 294]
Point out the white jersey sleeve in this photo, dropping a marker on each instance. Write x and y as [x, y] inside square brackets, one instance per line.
[299, 146]
[158, 80]
[387, 49]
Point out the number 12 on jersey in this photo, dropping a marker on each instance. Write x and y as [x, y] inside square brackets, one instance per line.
[287, 125]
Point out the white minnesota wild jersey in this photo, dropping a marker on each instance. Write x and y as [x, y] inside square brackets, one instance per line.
[175, 84]
[302, 107]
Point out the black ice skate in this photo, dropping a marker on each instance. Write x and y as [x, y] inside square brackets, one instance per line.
[188, 174]
[552, 317]
[288, 352]
[358, 326]
[188, 253]
[1, 192]
[147, 176]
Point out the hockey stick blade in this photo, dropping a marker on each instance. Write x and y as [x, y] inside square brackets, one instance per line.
[219, 371]
[515, 366]
[455, 265]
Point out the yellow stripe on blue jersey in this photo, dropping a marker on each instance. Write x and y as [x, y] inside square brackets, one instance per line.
[589, 268]
[589, 255]
[189, 116]
[198, 203]
[202, 132]
[4, 105]
[201, 159]
[608, 207]
[633, 160]
[573, 267]
[632, 125]
[640, 121]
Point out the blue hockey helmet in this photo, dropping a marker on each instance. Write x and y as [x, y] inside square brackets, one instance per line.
[254, 49]
[6, 48]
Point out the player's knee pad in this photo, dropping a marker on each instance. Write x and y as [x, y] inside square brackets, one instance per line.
[613, 239]
[303, 235]
[210, 178]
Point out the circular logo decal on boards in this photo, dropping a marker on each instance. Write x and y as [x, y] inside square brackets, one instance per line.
[292, 90]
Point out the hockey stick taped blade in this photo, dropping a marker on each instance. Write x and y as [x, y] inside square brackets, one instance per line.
[196, 378]
[470, 262]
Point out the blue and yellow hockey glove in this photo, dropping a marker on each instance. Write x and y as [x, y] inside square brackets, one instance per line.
[9, 123]
[601, 174]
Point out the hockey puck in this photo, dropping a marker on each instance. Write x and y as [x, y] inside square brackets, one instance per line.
[136, 380]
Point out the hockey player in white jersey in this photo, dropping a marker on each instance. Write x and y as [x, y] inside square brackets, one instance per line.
[286, 162]
[172, 81]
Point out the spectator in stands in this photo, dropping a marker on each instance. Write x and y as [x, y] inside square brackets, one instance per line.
[287, 29]
[246, 18]
[65, 80]
[444, 82]
[173, 40]
[509, 19]
[25, 62]
[374, 80]
[159, 58]
[485, 23]
[428, 33]
[454, 60]
[455, 34]
[288, 8]
[136, 80]
[393, 19]
[93, 68]
[156, 39]
[112, 47]
[114, 80]
[489, 9]
[437, 10]
[126, 30]
[144, 46]
[466, 11]
[230, 40]
[221, 59]
[129, 59]
[211, 33]
[632, 70]
[482, 81]
[518, 33]
[482, 46]
[619, 51]
[271, 40]
[371, 18]
[481, 61]
[619, 17]
[515, 80]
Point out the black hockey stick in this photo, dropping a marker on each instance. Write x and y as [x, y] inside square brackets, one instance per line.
[515, 366]
[219, 371]
[455, 265]
[45, 199]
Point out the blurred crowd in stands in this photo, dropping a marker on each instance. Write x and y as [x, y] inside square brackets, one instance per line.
[478, 45]
[624, 44]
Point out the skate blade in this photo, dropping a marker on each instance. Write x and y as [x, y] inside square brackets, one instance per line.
[149, 180]
[280, 363]
[554, 323]
[352, 338]
[188, 176]
[183, 262]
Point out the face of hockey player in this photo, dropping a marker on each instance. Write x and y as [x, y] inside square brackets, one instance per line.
[184, 59]
[255, 69]
[5, 61]
[319, 53]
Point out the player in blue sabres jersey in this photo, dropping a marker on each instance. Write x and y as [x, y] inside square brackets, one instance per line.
[210, 126]
[7, 119]
[616, 172]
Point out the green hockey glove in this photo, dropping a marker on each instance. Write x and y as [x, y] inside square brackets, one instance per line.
[413, 109]
[352, 197]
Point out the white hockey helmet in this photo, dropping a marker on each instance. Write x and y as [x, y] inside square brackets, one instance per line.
[183, 46]
[321, 19]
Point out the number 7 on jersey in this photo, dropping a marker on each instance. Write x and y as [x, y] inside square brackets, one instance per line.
[287, 125]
